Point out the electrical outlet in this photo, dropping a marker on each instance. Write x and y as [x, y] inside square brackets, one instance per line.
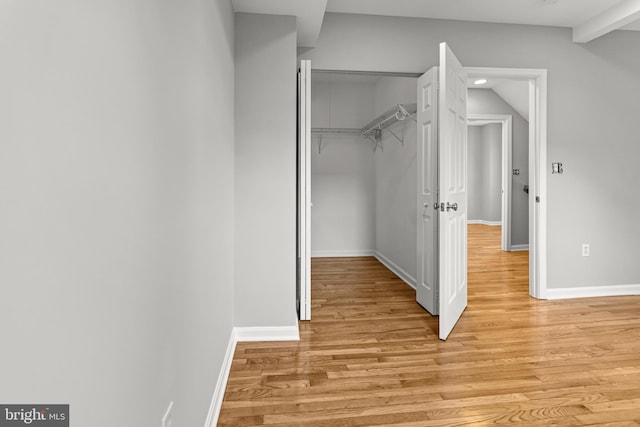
[586, 250]
[167, 420]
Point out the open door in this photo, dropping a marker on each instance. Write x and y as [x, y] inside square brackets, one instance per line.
[428, 207]
[452, 177]
[303, 291]
[442, 191]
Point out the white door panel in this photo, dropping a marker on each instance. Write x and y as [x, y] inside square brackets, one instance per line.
[427, 161]
[452, 170]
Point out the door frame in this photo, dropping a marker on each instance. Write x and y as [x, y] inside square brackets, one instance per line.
[537, 79]
[303, 279]
[506, 121]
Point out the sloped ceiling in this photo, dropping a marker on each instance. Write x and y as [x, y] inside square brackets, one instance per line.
[516, 94]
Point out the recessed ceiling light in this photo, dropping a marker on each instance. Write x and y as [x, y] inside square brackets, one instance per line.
[480, 82]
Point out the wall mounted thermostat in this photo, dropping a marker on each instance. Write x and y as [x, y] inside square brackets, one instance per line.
[516, 171]
[556, 168]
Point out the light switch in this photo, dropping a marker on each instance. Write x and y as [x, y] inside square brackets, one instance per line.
[556, 168]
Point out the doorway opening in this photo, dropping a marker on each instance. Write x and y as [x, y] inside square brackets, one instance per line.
[536, 81]
[490, 147]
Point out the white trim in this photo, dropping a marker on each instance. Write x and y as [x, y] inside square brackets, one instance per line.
[267, 333]
[240, 334]
[340, 254]
[593, 291]
[537, 79]
[483, 222]
[506, 143]
[221, 384]
[519, 248]
[304, 192]
[406, 277]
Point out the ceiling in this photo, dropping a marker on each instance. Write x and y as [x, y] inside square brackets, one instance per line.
[513, 92]
[589, 19]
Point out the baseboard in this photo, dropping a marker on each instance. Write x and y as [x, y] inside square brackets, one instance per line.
[240, 334]
[519, 248]
[592, 291]
[483, 222]
[340, 254]
[221, 385]
[269, 333]
[406, 277]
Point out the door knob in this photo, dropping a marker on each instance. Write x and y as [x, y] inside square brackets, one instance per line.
[452, 206]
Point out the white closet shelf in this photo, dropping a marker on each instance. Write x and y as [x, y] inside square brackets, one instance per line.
[398, 113]
[373, 130]
[336, 131]
[320, 132]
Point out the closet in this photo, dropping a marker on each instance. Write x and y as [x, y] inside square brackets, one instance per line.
[363, 168]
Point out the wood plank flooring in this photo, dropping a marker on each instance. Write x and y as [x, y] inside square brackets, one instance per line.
[371, 355]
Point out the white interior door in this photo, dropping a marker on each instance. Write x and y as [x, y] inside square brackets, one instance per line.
[427, 162]
[303, 294]
[452, 180]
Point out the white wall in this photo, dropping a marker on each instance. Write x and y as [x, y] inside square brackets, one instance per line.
[396, 179]
[265, 170]
[116, 206]
[342, 173]
[486, 101]
[591, 126]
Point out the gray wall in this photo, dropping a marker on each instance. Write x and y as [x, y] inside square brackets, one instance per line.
[342, 174]
[396, 182]
[592, 126]
[486, 101]
[116, 206]
[265, 166]
[484, 169]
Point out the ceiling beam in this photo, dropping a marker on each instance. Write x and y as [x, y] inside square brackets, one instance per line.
[611, 19]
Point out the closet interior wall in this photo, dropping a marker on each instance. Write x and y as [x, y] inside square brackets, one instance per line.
[342, 168]
[396, 182]
[363, 199]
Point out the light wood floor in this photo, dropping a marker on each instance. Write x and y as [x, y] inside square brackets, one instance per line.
[371, 356]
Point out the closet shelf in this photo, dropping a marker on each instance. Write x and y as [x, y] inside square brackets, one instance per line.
[398, 113]
[336, 131]
[373, 130]
[320, 132]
